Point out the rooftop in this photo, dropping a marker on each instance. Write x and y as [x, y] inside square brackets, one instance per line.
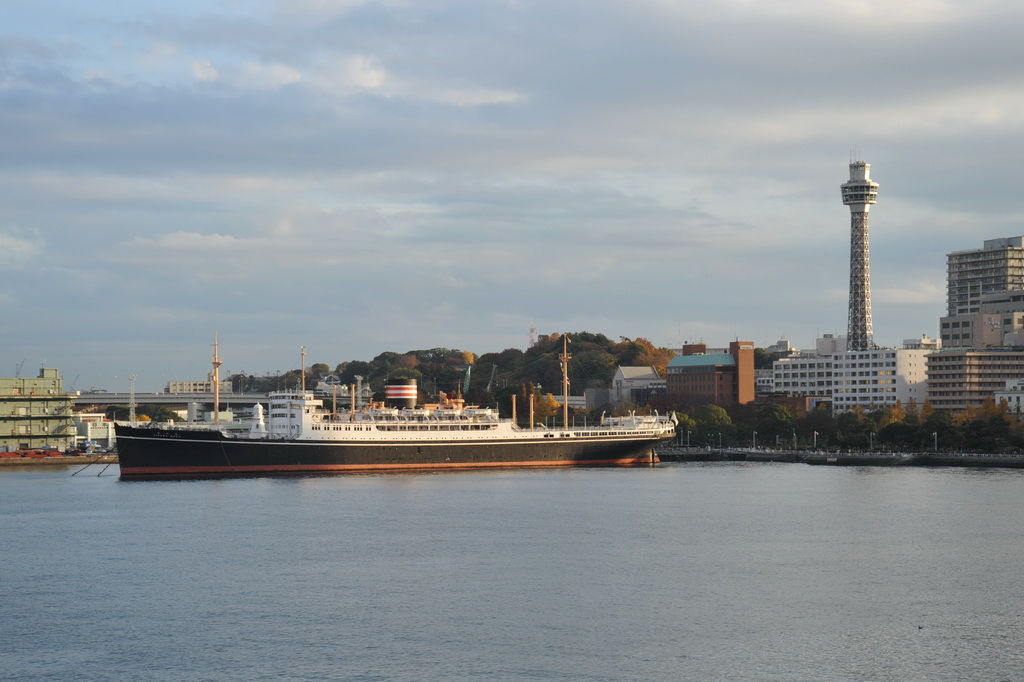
[702, 360]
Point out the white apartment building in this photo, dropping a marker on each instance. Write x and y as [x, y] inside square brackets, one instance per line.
[803, 375]
[879, 377]
[1012, 395]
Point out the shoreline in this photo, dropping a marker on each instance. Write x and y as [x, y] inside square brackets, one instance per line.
[821, 458]
[70, 460]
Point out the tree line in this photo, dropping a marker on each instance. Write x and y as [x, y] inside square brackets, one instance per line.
[900, 428]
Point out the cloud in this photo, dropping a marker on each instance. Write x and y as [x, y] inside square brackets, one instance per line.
[204, 71]
[266, 76]
[913, 293]
[20, 246]
[632, 168]
[160, 52]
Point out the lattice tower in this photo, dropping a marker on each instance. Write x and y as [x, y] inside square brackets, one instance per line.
[859, 193]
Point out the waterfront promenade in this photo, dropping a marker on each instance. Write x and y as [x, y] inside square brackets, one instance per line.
[674, 453]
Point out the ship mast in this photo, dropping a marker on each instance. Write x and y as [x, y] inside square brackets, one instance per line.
[302, 368]
[216, 379]
[564, 358]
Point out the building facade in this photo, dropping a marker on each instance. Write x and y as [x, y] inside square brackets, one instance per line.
[998, 322]
[996, 267]
[803, 375]
[36, 413]
[195, 387]
[94, 427]
[879, 377]
[1013, 395]
[962, 378]
[636, 385]
[725, 379]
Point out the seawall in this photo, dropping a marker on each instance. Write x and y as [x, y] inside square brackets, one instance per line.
[673, 453]
[58, 461]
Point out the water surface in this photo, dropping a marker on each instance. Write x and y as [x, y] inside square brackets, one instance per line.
[728, 571]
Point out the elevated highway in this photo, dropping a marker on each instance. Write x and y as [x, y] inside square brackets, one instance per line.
[169, 399]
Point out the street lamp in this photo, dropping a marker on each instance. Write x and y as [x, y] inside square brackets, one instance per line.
[719, 440]
[688, 438]
[815, 440]
[935, 436]
[755, 440]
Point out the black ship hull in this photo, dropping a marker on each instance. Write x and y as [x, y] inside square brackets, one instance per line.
[147, 453]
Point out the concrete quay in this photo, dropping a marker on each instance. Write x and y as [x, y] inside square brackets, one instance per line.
[672, 453]
[70, 460]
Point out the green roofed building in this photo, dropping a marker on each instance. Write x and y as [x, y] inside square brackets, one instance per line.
[35, 413]
[698, 377]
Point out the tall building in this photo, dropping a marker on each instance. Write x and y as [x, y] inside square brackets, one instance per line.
[859, 192]
[996, 267]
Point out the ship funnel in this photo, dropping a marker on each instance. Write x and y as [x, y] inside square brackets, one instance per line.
[400, 393]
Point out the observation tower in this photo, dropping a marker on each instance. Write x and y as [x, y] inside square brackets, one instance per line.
[859, 193]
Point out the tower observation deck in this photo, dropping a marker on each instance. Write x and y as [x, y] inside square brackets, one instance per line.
[859, 193]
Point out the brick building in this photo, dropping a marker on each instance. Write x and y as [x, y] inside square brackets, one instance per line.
[698, 377]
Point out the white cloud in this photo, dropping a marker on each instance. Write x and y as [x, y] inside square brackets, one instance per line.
[317, 8]
[159, 52]
[882, 14]
[474, 98]
[259, 76]
[20, 246]
[204, 71]
[341, 75]
[193, 244]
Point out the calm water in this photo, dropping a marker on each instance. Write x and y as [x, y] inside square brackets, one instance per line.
[686, 571]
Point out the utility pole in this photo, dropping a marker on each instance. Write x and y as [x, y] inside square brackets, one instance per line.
[131, 399]
[216, 379]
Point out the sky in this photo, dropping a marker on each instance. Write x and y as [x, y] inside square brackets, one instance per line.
[360, 176]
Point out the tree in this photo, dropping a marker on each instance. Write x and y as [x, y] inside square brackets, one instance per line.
[774, 421]
[545, 406]
[714, 425]
[317, 371]
[353, 369]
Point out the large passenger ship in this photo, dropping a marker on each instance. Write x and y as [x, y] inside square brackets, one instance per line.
[299, 435]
